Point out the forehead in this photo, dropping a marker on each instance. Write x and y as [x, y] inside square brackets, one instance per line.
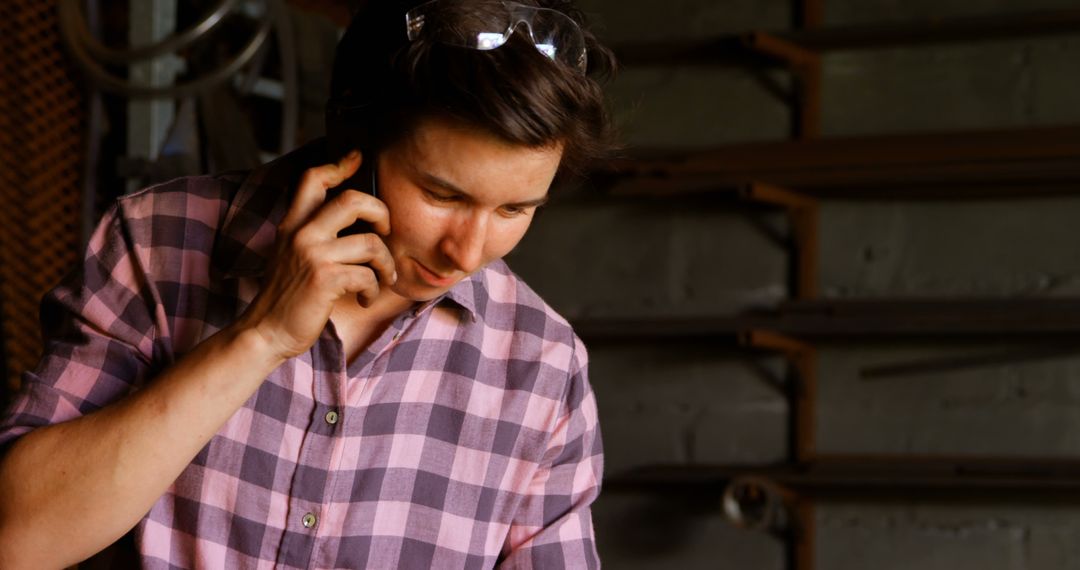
[435, 130]
[469, 156]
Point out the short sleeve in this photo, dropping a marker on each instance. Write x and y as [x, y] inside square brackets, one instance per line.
[98, 330]
[552, 527]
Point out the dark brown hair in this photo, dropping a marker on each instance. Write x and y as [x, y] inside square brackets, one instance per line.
[383, 84]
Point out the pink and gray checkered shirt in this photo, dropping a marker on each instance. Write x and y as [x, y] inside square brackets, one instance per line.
[465, 436]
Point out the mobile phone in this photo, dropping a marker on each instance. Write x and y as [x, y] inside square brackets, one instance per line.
[364, 180]
[347, 128]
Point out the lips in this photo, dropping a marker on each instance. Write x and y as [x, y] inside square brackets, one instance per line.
[432, 278]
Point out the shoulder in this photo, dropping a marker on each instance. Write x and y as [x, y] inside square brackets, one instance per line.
[198, 198]
[541, 332]
[172, 228]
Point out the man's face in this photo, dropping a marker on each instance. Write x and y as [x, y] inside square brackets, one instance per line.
[458, 199]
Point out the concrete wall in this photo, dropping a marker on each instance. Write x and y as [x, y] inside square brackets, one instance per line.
[593, 256]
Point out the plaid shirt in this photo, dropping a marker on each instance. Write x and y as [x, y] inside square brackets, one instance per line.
[465, 436]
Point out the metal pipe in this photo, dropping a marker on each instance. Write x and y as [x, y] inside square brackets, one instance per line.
[69, 20]
[290, 102]
[94, 127]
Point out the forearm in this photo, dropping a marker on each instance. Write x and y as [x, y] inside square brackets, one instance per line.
[91, 479]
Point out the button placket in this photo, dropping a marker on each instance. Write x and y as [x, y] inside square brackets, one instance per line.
[404, 323]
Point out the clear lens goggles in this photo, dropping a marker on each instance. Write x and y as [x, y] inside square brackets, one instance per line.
[488, 25]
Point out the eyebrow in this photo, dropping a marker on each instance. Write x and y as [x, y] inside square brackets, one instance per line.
[450, 187]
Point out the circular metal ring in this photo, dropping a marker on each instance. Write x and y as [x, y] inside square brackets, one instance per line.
[69, 22]
[754, 503]
[80, 34]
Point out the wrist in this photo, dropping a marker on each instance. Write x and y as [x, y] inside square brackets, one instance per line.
[258, 346]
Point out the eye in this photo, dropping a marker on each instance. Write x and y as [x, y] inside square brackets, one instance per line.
[514, 211]
[440, 197]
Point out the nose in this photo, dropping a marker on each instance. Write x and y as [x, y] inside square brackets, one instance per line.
[463, 244]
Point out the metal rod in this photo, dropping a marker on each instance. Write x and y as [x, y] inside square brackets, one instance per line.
[1002, 26]
[94, 132]
[778, 196]
[802, 389]
[724, 50]
[780, 48]
[880, 476]
[805, 535]
[803, 218]
[967, 362]
[1029, 320]
[773, 341]
[290, 103]
[1021, 162]
[807, 124]
[809, 14]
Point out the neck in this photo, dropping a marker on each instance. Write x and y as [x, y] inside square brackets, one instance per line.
[359, 326]
[385, 307]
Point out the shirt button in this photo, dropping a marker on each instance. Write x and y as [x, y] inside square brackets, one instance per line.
[309, 520]
[397, 335]
[331, 417]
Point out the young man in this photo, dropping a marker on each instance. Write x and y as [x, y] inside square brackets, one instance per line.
[240, 377]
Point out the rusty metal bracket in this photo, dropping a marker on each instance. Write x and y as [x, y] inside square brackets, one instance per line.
[805, 65]
[803, 390]
[803, 215]
[802, 430]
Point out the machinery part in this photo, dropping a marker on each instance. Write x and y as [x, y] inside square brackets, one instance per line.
[82, 34]
[71, 22]
[755, 503]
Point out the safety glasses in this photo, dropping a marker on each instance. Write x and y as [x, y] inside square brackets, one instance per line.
[488, 25]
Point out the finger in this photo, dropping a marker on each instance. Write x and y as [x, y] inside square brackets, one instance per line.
[365, 249]
[361, 280]
[311, 192]
[347, 208]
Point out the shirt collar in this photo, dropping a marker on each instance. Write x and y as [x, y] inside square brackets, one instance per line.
[470, 293]
[246, 241]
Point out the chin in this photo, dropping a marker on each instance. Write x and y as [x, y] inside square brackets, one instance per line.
[418, 293]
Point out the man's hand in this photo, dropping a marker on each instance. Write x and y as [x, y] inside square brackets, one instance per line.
[312, 267]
